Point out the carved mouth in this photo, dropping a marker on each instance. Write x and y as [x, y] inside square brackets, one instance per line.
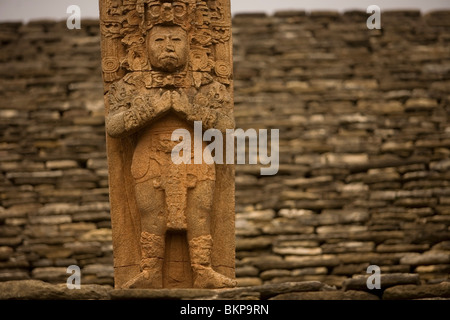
[169, 58]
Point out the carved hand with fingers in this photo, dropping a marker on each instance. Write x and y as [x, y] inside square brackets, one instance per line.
[180, 102]
[160, 102]
[145, 109]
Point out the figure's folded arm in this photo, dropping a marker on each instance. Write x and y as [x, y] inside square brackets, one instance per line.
[123, 121]
[221, 118]
[213, 106]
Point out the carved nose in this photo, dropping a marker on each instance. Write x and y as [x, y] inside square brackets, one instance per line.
[170, 47]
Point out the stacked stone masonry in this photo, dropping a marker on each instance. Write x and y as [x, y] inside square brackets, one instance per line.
[364, 152]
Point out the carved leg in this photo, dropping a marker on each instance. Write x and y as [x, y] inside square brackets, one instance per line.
[204, 275]
[198, 210]
[152, 247]
[200, 240]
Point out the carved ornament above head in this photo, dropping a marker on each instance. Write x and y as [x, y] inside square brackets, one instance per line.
[129, 24]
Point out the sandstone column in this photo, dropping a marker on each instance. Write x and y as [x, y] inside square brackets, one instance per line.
[166, 65]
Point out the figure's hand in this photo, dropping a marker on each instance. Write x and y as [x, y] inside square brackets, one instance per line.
[161, 102]
[180, 102]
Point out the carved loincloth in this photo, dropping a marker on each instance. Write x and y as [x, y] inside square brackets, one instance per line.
[152, 162]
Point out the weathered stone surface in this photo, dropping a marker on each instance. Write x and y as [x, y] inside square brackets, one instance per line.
[295, 262]
[426, 258]
[309, 271]
[61, 164]
[270, 274]
[38, 290]
[272, 289]
[99, 270]
[348, 246]
[433, 269]
[402, 247]
[13, 274]
[249, 281]
[246, 271]
[269, 290]
[50, 274]
[286, 226]
[298, 251]
[97, 235]
[327, 295]
[387, 280]
[352, 139]
[408, 292]
[253, 243]
[166, 294]
[5, 253]
[50, 220]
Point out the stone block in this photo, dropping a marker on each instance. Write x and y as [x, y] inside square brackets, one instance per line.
[256, 243]
[39, 290]
[5, 253]
[426, 258]
[50, 220]
[386, 280]
[100, 235]
[408, 292]
[327, 295]
[61, 164]
[246, 271]
[249, 281]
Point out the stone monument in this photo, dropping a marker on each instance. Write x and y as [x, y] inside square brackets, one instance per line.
[167, 64]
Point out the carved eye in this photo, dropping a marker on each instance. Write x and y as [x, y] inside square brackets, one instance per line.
[159, 39]
[177, 39]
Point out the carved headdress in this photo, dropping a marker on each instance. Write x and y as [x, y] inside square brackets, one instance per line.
[166, 12]
[126, 24]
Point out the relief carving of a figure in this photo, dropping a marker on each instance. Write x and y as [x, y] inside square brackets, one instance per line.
[148, 106]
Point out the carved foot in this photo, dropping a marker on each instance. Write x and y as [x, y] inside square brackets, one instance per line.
[147, 279]
[207, 278]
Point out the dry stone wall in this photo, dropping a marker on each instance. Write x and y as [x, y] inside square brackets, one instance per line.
[364, 150]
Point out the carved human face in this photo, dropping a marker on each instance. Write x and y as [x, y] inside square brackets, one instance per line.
[168, 48]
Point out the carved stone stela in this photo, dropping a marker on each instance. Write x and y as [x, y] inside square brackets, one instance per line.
[167, 64]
